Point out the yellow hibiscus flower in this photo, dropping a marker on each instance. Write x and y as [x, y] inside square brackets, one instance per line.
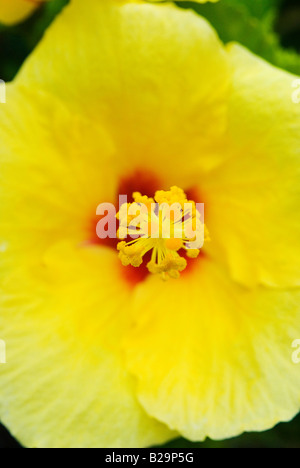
[134, 99]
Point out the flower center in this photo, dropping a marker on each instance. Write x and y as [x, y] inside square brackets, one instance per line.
[166, 224]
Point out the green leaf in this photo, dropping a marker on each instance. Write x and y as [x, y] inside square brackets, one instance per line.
[251, 23]
[18, 41]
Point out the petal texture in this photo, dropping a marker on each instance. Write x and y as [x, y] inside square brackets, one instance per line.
[64, 384]
[216, 360]
[253, 198]
[155, 72]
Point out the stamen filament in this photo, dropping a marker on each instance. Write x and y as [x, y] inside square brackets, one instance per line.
[165, 225]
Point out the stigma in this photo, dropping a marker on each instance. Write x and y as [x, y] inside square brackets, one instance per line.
[169, 226]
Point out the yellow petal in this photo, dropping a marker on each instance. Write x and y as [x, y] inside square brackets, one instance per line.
[253, 198]
[158, 88]
[14, 11]
[52, 177]
[64, 384]
[212, 358]
[59, 319]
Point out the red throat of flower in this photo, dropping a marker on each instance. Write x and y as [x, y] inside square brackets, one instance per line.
[160, 235]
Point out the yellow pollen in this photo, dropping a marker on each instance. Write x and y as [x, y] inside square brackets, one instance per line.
[165, 224]
[174, 243]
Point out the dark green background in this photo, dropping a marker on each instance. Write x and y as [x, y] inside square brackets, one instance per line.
[271, 29]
